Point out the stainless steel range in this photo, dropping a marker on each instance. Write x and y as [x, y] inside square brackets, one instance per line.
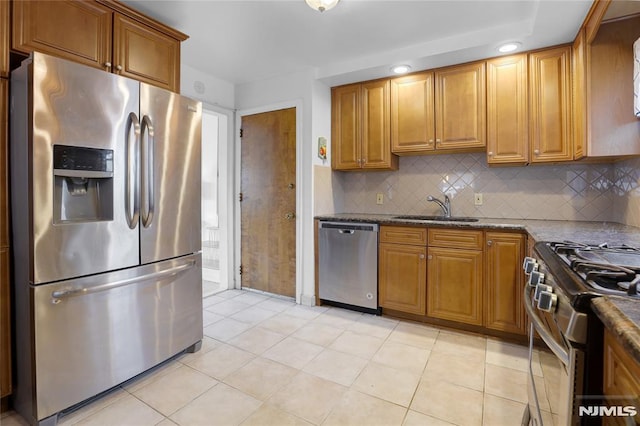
[563, 277]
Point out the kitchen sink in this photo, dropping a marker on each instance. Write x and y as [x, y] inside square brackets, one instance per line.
[439, 218]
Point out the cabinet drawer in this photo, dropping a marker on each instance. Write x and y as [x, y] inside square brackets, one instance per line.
[403, 235]
[456, 238]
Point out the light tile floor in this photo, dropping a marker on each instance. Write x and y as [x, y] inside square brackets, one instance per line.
[267, 361]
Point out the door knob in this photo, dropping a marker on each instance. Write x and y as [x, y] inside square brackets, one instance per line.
[291, 186]
[290, 216]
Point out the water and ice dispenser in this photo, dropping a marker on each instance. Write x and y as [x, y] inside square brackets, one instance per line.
[83, 184]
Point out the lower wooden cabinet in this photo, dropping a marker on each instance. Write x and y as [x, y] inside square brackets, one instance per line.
[621, 383]
[454, 290]
[402, 278]
[5, 325]
[402, 269]
[503, 304]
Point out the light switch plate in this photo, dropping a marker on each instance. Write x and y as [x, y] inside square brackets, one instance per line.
[477, 199]
[380, 198]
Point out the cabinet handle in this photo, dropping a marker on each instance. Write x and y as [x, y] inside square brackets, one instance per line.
[536, 151]
[107, 65]
[430, 140]
[430, 257]
[490, 153]
[437, 140]
[422, 256]
[489, 243]
[119, 67]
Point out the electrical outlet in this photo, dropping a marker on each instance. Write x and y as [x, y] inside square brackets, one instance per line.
[380, 198]
[477, 199]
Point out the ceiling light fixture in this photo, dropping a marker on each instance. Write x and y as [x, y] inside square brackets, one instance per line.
[509, 47]
[400, 69]
[322, 5]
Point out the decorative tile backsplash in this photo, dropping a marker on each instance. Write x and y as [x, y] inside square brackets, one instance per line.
[594, 192]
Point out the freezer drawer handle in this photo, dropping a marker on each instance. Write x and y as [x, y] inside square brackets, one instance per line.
[56, 296]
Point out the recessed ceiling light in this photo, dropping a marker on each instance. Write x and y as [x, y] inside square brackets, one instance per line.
[400, 69]
[509, 47]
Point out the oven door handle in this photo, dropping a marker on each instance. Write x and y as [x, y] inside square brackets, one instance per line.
[537, 324]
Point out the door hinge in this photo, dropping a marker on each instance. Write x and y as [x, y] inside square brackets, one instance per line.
[241, 132]
[240, 269]
[240, 197]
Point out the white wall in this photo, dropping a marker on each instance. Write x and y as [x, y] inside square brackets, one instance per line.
[206, 88]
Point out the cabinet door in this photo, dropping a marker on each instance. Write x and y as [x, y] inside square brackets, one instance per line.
[376, 133]
[76, 30]
[461, 107]
[4, 165]
[345, 127]
[5, 325]
[402, 278]
[412, 114]
[550, 97]
[579, 78]
[145, 54]
[621, 382]
[507, 111]
[504, 284]
[4, 38]
[454, 285]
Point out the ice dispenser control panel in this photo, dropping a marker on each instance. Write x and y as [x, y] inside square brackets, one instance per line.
[83, 184]
[82, 159]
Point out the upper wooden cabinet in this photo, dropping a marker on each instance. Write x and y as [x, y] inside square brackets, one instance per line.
[604, 123]
[550, 104]
[360, 134]
[4, 38]
[443, 110]
[461, 107]
[145, 54]
[104, 34]
[413, 127]
[507, 110]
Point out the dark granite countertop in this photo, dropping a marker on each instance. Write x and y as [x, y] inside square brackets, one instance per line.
[622, 317]
[541, 230]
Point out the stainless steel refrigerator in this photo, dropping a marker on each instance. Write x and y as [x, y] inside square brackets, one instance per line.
[105, 192]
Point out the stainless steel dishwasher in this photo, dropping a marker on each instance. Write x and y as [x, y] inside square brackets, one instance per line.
[348, 265]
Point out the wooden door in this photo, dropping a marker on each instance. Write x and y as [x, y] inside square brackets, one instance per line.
[76, 30]
[345, 128]
[504, 309]
[142, 53]
[461, 107]
[550, 97]
[507, 110]
[268, 207]
[403, 278]
[412, 114]
[375, 122]
[454, 285]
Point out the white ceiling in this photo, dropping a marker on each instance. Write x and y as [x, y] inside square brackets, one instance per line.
[241, 41]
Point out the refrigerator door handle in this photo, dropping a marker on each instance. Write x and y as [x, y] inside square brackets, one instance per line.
[56, 296]
[148, 183]
[131, 177]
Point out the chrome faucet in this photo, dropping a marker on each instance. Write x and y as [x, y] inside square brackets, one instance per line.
[446, 206]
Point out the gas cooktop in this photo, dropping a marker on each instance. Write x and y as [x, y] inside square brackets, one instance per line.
[595, 269]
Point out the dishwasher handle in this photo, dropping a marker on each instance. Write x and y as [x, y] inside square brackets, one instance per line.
[349, 227]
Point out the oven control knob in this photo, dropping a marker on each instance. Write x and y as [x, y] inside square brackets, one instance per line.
[541, 288]
[547, 301]
[535, 278]
[529, 265]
